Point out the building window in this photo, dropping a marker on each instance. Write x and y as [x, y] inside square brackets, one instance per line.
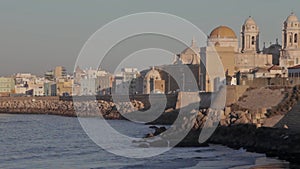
[297, 60]
[296, 38]
[285, 40]
[291, 38]
[253, 40]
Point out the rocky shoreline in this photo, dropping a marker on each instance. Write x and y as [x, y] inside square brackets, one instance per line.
[273, 142]
[248, 128]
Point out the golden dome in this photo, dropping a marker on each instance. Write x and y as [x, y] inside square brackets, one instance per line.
[222, 32]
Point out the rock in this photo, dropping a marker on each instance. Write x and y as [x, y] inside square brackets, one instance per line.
[227, 111]
[242, 120]
[224, 122]
[169, 110]
[153, 127]
[149, 135]
[223, 116]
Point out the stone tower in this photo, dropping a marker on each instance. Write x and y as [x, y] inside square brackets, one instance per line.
[290, 55]
[250, 36]
[290, 32]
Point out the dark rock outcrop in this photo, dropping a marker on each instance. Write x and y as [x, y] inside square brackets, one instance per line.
[274, 142]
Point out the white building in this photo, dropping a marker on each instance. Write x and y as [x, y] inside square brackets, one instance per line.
[123, 81]
[93, 81]
[88, 86]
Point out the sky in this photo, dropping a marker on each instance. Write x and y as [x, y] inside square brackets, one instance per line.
[36, 36]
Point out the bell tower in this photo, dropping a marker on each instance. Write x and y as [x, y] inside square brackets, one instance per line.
[290, 32]
[250, 36]
[290, 55]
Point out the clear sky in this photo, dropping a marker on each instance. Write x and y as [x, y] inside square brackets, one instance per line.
[37, 35]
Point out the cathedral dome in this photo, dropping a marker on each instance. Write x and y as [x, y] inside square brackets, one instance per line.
[222, 32]
[292, 18]
[193, 49]
[250, 21]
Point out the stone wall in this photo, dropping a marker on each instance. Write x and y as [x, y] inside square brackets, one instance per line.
[54, 106]
[263, 82]
[144, 98]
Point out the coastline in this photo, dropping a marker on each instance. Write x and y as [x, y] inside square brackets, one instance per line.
[274, 142]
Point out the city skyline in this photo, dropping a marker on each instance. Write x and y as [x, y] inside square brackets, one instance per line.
[36, 36]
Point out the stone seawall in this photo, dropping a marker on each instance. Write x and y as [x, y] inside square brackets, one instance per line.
[144, 98]
[55, 106]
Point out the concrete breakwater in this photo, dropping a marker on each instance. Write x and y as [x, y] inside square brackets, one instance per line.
[54, 106]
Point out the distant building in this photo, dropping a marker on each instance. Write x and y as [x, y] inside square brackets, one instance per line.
[7, 86]
[153, 83]
[53, 88]
[190, 55]
[88, 86]
[274, 50]
[24, 82]
[290, 55]
[104, 84]
[294, 71]
[28, 84]
[223, 42]
[49, 75]
[50, 88]
[60, 72]
[277, 71]
[78, 75]
[64, 87]
[93, 82]
[250, 56]
[126, 81]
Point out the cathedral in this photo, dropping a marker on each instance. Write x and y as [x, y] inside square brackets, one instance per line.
[233, 56]
[237, 55]
[243, 54]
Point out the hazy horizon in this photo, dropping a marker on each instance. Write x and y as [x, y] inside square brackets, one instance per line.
[37, 36]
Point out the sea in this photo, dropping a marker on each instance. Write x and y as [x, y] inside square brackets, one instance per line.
[48, 141]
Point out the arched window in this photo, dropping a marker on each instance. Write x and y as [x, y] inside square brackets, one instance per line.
[291, 38]
[253, 40]
[296, 38]
[285, 39]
